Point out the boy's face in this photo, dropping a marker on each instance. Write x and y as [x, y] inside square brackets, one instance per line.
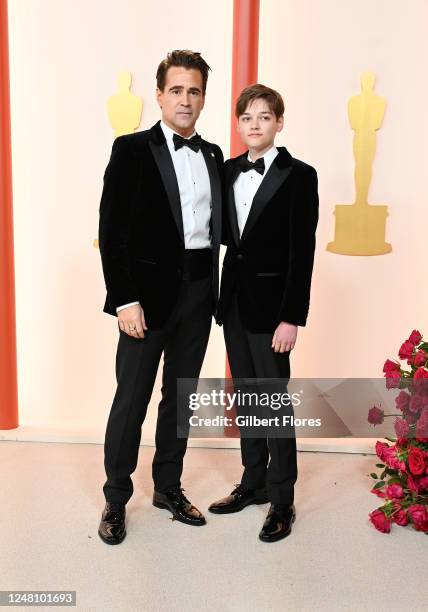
[181, 100]
[258, 125]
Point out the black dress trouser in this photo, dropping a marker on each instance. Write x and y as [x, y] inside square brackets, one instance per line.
[183, 340]
[251, 357]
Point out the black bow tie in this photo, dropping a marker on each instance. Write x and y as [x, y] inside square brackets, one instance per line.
[258, 165]
[193, 143]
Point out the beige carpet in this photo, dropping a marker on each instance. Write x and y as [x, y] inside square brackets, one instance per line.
[51, 502]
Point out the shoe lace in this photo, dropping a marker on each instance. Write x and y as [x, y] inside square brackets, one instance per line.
[178, 495]
[115, 512]
[239, 489]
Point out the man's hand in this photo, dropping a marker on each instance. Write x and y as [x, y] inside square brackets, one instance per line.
[131, 321]
[284, 337]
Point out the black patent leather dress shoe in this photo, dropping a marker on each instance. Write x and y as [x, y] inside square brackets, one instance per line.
[177, 503]
[239, 499]
[278, 523]
[112, 527]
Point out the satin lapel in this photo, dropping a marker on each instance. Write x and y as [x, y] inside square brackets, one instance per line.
[215, 192]
[231, 206]
[274, 178]
[163, 160]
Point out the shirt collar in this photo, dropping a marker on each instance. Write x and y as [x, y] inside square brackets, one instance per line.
[169, 133]
[269, 156]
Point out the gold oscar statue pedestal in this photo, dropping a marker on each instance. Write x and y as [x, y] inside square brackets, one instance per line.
[360, 230]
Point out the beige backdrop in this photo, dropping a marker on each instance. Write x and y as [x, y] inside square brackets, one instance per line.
[65, 56]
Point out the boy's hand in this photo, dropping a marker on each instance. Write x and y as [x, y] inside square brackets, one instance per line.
[132, 321]
[284, 337]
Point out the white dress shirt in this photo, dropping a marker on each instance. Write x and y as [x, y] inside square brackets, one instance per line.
[195, 194]
[246, 186]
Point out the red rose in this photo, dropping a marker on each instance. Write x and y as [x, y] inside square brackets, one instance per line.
[419, 516]
[375, 416]
[413, 484]
[379, 520]
[423, 483]
[420, 374]
[391, 459]
[416, 461]
[378, 492]
[380, 449]
[415, 337]
[394, 491]
[393, 379]
[406, 350]
[399, 516]
[402, 400]
[391, 366]
[419, 358]
[401, 428]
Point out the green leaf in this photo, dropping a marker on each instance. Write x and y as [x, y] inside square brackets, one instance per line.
[380, 465]
[373, 475]
[379, 484]
[391, 439]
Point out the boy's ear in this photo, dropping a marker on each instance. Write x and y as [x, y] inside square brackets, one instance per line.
[280, 123]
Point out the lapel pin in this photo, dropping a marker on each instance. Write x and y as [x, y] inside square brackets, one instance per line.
[212, 154]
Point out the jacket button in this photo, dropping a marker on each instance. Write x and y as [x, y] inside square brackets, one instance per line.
[240, 256]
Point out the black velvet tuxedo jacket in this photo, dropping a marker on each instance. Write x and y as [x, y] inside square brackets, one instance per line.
[141, 235]
[270, 266]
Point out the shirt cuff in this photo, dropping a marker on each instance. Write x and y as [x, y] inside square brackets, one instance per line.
[126, 306]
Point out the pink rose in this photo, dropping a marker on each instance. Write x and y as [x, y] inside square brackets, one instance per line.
[379, 520]
[418, 359]
[415, 337]
[402, 400]
[401, 428]
[406, 350]
[391, 366]
[419, 516]
[394, 491]
[416, 461]
[422, 424]
[375, 416]
[416, 403]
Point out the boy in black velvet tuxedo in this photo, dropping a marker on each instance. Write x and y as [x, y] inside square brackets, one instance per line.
[159, 237]
[270, 217]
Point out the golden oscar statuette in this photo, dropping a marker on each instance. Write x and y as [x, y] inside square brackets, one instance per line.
[124, 110]
[360, 227]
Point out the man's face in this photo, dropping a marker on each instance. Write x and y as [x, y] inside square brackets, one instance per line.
[181, 100]
[258, 126]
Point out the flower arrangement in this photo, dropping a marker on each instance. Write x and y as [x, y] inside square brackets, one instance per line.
[403, 482]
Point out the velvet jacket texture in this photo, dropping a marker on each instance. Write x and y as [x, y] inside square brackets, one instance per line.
[270, 266]
[141, 235]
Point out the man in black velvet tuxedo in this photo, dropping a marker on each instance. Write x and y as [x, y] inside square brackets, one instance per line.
[270, 218]
[159, 236]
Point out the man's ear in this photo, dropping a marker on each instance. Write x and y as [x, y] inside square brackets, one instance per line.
[159, 95]
[280, 123]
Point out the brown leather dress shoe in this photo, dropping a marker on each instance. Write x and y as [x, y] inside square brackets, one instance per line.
[182, 510]
[112, 527]
[239, 499]
[278, 523]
